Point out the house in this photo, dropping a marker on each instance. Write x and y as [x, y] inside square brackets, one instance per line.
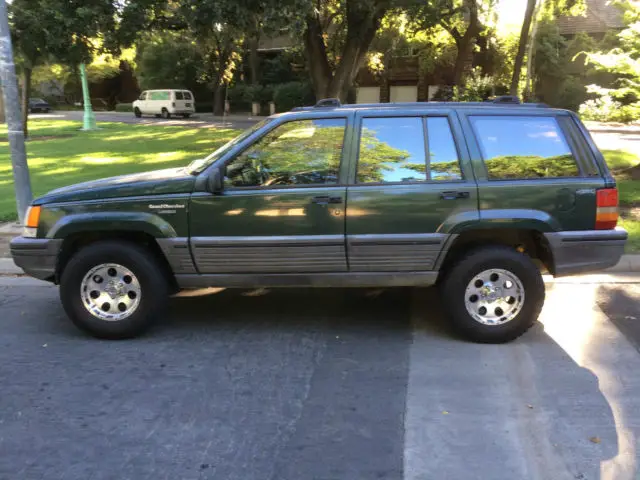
[600, 17]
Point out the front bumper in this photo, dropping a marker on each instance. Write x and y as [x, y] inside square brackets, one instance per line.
[38, 257]
[586, 251]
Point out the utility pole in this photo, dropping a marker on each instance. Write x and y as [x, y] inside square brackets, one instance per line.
[13, 113]
[89, 118]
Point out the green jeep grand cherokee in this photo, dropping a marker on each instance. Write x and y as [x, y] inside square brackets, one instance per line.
[478, 198]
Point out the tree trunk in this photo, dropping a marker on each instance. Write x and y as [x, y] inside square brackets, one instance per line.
[26, 93]
[218, 100]
[522, 46]
[254, 60]
[319, 69]
[2, 115]
[464, 58]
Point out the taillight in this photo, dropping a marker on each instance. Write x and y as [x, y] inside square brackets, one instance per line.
[606, 208]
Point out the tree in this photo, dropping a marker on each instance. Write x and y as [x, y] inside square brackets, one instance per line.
[463, 20]
[358, 21]
[522, 46]
[59, 30]
[538, 10]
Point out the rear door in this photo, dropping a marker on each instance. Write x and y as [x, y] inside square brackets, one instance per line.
[411, 185]
[179, 101]
[532, 170]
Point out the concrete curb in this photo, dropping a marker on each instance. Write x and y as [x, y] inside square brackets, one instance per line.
[10, 229]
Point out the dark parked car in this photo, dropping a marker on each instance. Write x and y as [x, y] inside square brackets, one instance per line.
[476, 198]
[39, 105]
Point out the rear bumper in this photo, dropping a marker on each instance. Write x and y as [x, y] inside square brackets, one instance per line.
[586, 251]
[38, 257]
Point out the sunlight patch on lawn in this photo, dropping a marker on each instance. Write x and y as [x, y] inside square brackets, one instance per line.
[101, 160]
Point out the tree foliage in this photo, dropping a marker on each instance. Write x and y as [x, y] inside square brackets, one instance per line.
[624, 62]
[63, 31]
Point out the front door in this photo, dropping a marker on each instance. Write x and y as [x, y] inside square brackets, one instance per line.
[282, 209]
[412, 185]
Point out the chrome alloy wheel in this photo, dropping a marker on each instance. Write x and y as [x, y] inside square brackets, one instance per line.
[494, 297]
[110, 292]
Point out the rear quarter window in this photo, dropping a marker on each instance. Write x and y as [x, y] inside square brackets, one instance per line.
[521, 147]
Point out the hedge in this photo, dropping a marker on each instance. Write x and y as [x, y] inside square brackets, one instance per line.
[124, 107]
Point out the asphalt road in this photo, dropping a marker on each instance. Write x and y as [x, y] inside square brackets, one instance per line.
[321, 384]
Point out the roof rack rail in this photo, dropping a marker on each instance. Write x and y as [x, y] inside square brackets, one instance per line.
[506, 99]
[328, 102]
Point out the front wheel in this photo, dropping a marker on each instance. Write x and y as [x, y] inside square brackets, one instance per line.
[137, 112]
[113, 289]
[493, 294]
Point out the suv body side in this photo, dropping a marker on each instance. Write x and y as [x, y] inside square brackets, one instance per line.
[345, 233]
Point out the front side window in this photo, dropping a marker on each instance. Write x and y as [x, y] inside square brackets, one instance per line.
[143, 96]
[303, 152]
[392, 149]
[178, 95]
[187, 95]
[518, 147]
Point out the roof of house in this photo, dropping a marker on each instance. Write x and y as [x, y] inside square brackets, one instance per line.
[600, 17]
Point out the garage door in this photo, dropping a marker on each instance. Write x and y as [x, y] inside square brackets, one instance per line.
[407, 93]
[368, 95]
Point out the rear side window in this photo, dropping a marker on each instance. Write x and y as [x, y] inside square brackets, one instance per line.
[444, 164]
[392, 149]
[178, 95]
[520, 147]
[158, 95]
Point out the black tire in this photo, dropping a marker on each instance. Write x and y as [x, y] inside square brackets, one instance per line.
[137, 112]
[460, 274]
[186, 115]
[165, 114]
[154, 289]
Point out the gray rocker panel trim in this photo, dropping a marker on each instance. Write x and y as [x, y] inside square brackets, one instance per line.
[351, 279]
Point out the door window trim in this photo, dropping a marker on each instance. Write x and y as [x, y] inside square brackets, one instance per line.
[425, 135]
[287, 187]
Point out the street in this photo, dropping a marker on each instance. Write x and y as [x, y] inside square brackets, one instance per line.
[322, 384]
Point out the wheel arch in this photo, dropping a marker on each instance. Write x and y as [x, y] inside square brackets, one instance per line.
[530, 241]
[81, 239]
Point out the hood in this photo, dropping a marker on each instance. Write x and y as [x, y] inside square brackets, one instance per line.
[158, 182]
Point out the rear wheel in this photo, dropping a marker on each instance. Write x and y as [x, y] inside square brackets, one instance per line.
[137, 112]
[113, 289]
[165, 113]
[493, 294]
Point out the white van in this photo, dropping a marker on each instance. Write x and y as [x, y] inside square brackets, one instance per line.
[165, 103]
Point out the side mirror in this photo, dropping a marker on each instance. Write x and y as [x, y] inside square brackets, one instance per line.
[215, 183]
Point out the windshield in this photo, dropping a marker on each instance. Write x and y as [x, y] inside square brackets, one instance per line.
[199, 165]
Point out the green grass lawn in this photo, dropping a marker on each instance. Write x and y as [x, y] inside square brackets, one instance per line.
[619, 162]
[60, 154]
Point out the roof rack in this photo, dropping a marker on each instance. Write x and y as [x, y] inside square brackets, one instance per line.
[504, 100]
